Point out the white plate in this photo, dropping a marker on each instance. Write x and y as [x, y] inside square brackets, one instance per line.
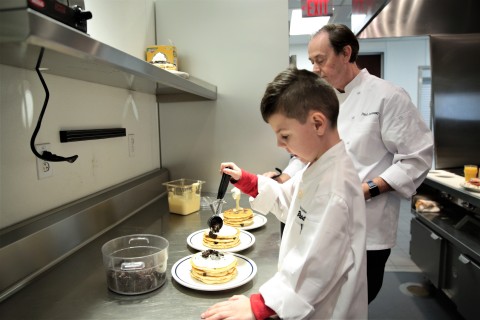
[470, 187]
[246, 271]
[195, 240]
[442, 174]
[259, 220]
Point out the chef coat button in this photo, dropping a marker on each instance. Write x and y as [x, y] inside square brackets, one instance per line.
[300, 194]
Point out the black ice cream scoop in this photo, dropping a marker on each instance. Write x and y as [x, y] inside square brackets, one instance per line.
[215, 222]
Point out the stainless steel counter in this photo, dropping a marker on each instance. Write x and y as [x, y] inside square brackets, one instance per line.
[446, 245]
[458, 220]
[76, 288]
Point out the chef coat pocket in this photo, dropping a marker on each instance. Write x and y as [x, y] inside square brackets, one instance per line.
[366, 143]
[370, 124]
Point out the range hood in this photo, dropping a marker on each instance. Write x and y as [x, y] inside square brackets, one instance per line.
[400, 18]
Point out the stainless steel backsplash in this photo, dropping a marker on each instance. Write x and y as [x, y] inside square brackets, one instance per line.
[456, 99]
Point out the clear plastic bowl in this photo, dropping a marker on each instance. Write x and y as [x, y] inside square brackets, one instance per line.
[135, 264]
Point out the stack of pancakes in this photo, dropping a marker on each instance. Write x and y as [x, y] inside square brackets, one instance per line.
[213, 267]
[240, 217]
[226, 237]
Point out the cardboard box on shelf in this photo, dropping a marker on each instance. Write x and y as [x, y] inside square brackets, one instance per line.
[164, 57]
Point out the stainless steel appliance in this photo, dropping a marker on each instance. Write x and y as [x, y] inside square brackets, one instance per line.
[69, 12]
[403, 18]
[456, 100]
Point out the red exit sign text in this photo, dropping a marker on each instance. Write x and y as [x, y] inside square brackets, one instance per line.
[316, 8]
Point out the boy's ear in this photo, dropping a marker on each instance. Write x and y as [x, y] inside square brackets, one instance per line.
[319, 121]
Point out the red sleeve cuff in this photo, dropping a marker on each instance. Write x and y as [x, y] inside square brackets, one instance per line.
[260, 310]
[248, 183]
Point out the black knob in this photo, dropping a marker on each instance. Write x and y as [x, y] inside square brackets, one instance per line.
[81, 15]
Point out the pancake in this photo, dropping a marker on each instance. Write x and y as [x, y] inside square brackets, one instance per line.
[424, 205]
[227, 237]
[213, 267]
[240, 217]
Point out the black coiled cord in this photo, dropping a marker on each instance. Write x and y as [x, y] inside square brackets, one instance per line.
[46, 155]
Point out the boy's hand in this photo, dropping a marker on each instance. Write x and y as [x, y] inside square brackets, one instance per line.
[231, 169]
[237, 307]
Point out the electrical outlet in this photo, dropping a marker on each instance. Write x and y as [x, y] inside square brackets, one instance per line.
[44, 168]
[131, 145]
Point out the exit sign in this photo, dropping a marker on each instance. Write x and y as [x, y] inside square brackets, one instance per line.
[316, 8]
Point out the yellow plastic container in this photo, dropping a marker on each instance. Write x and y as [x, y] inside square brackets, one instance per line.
[184, 195]
[164, 57]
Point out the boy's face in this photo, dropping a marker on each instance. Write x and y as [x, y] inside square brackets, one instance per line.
[301, 140]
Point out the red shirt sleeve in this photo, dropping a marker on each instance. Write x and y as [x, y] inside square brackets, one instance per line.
[248, 183]
[260, 310]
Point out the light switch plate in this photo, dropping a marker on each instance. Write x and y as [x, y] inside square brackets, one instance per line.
[131, 145]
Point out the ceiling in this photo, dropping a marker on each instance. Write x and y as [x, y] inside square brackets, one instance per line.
[342, 11]
[399, 18]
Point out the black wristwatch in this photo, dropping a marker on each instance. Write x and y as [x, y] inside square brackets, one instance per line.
[373, 189]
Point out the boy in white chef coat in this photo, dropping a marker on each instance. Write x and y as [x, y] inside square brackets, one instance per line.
[322, 260]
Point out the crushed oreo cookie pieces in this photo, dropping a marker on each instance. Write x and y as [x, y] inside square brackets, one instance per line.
[215, 228]
[213, 254]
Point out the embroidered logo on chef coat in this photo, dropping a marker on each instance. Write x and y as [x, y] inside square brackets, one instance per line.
[300, 219]
[370, 114]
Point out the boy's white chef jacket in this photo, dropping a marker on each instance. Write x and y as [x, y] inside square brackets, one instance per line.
[322, 260]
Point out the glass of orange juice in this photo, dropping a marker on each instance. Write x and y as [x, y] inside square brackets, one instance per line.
[470, 171]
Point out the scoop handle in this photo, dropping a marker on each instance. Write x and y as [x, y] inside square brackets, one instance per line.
[222, 189]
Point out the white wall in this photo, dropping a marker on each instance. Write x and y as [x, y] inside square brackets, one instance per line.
[227, 43]
[76, 105]
[240, 46]
[402, 57]
[128, 25]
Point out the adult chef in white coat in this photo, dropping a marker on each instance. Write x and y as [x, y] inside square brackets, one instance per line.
[390, 145]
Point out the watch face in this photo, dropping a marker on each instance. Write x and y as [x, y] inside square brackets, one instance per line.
[373, 189]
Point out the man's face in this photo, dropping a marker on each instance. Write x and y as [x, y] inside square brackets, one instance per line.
[298, 139]
[328, 65]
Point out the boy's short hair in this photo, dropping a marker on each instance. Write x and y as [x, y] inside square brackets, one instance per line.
[294, 93]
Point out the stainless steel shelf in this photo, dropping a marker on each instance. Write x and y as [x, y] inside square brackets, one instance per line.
[73, 54]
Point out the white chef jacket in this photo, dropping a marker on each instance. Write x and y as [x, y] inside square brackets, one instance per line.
[294, 165]
[322, 260]
[385, 136]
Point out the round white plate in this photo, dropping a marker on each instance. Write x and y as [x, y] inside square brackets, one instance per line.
[246, 271]
[259, 220]
[470, 187]
[195, 240]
